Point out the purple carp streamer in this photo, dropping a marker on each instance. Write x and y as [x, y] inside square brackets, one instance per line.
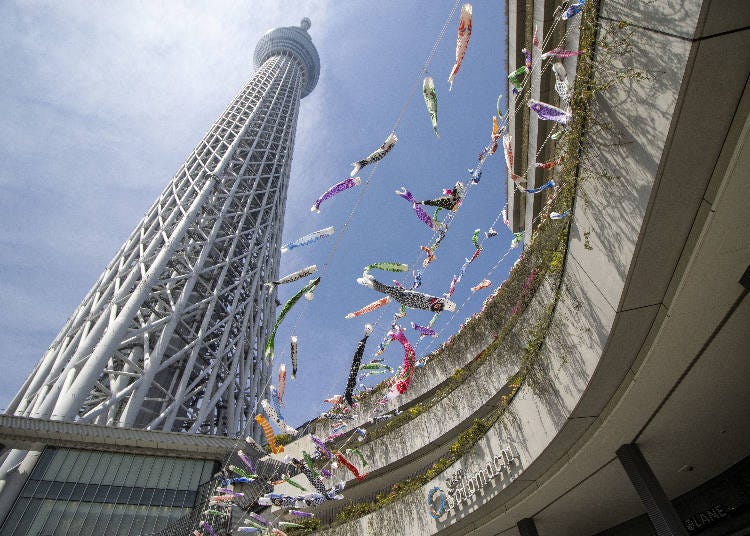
[321, 446]
[208, 528]
[462, 41]
[377, 155]
[354, 369]
[418, 210]
[559, 215]
[527, 57]
[299, 274]
[285, 310]
[430, 100]
[409, 298]
[573, 10]
[300, 513]
[484, 283]
[548, 112]
[335, 189]
[424, 331]
[293, 353]
[546, 186]
[308, 239]
[246, 460]
[561, 53]
[369, 308]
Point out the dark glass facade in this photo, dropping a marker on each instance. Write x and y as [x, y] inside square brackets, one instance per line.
[82, 493]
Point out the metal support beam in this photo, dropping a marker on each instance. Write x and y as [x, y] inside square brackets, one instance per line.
[658, 507]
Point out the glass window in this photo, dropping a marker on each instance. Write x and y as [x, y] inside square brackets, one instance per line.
[102, 468]
[101, 494]
[87, 468]
[159, 473]
[146, 466]
[54, 489]
[158, 498]
[169, 497]
[69, 469]
[127, 468]
[40, 469]
[53, 467]
[114, 494]
[89, 493]
[148, 496]
[35, 516]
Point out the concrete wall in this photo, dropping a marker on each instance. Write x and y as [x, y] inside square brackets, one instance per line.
[593, 337]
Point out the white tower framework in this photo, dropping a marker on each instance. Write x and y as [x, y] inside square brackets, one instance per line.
[171, 336]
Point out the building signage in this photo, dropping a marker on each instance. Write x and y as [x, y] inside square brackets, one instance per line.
[461, 487]
[698, 522]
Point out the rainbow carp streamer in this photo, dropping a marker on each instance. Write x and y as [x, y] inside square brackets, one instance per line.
[335, 189]
[462, 41]
[285, 310]
[430, 100]
[308, 239]
[299, 274]
[377, 155]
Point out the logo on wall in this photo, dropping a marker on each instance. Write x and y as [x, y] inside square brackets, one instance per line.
[460, 487]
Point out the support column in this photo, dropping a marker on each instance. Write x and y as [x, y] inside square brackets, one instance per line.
[527, 527]
[658, 507]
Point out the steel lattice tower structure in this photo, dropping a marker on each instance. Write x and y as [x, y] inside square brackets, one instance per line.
[171, 336]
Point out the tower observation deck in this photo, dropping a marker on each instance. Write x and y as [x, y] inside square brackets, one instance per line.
[171, 335]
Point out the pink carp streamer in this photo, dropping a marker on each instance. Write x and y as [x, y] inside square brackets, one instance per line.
[561, 53]
[377, 304]
[548, 112]
[462, 41]
[484, 283]
[377, 155]
[535, 41]
[282, 383]
[418, 210]
[407, 368]
[335, 189]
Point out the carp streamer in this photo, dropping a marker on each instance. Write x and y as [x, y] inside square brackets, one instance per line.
[299, 274]
[369, 308]
[424, 331]
[409, 298]
[407, 368]
[333, 190]
[387, 267]
[282, 383]
[547, 112]
[377, 155]
[293, 353]
[285, 310]
[430, 99]
[270, 437]
[419, 211]
[349, 465]
[561, 53]
[484, 283]
[462, 41]
[308, 239]
[356, 361]
[546, 186]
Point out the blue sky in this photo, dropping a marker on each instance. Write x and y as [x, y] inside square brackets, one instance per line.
[101, 102]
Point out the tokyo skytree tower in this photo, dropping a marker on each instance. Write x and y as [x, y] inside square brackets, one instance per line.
[171, 336]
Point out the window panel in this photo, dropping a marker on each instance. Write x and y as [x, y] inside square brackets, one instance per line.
[87, 469]
[33, 518]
